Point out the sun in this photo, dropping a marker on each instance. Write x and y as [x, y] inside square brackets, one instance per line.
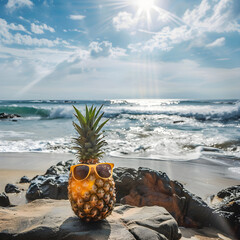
[144, 5]
[144, 8]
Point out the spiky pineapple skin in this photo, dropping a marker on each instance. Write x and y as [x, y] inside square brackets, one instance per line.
[92, 199]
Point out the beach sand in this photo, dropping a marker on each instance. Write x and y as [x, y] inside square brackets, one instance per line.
[202, 179]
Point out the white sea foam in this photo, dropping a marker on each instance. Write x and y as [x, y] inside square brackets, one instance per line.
[13, 134]
[148, 129]
[58, 145]
[235, 170]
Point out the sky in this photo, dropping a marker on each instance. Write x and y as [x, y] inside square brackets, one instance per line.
[116, 49]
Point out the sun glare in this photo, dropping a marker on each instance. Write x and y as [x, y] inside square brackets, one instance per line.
[144, 8]
[145, 5]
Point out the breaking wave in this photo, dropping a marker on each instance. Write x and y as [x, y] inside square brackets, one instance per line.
[120, 109]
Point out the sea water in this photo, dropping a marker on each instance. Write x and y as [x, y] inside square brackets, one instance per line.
[156, 129]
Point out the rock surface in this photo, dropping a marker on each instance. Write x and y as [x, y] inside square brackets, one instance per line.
[147, 187]
[53, 184]
[6, 115]
[142, 187]
[24, 179]
[11, 188]
[227, 204]
[4, 200]
[54, 219]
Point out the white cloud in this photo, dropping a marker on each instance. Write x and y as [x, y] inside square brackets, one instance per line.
[105, 49]
[39, 29]
[14, 4]
[124, 20]
[75, 30]
[214, 17]
[5, 27]
[77, 17]
[68, 74]
[164, 40]
[116, 78]
[217, 43]
[28, 40]
[6, 37]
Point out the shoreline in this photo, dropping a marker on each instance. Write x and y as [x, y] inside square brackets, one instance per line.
[203, 180]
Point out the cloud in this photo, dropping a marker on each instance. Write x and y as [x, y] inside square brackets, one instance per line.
[39, 29]
[5, 27]
[124, 20]
[164, 40]
[14, 4]
[217, 43]
[7, 37]
[136, 79]
[105, 49]
[207, 17]
[69, 74]
[77, 17]
[216, 17]
[75, 30]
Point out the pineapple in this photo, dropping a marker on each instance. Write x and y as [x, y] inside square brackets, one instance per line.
[93, 198]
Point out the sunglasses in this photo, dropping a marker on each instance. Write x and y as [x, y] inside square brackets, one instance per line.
[82, 171]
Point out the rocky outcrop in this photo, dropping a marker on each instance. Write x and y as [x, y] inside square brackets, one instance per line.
[7, 115]
[53, 184]
[11, 188]
[147, 187]
[4, 200]
[52, 219]
[142, 187]
[227, 204]
[24, 179]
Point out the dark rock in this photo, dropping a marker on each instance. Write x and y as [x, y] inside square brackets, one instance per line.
[61, 168]
[142, 187]
[24, 179]
[227, 205]
[54, 186]
[179, 121]
[51, 219]
[123, 178]
[11, 188]
[151, 188]
[4, 200]
[6, 115]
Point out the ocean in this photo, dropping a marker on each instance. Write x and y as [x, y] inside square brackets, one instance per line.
[156, 129]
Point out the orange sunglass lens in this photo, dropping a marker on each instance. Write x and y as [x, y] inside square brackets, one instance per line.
[81, 172]
[104, 170]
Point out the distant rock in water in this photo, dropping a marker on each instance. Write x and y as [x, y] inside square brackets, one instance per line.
[11, 188]
[4, 200]
[7, 115]
[178, 121]
[24, 179]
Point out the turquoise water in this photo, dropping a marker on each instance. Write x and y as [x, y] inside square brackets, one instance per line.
[159, 129]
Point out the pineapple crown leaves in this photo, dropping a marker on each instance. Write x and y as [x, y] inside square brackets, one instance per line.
[90, 140]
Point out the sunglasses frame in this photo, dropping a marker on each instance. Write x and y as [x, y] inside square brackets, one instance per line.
[90, 166]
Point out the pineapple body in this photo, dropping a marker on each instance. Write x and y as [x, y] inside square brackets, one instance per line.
[92, 199]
